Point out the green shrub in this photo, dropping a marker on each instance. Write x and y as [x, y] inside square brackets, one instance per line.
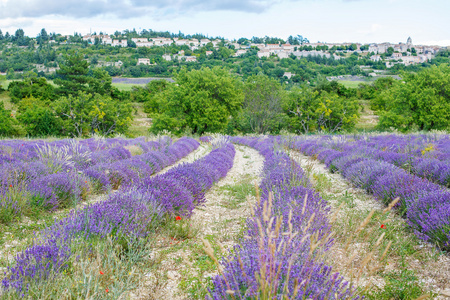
[7, 122]
[40, 120]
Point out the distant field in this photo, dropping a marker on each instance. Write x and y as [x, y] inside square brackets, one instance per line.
[126, 86]
[138, 81]
[353, 83]
[5, 83]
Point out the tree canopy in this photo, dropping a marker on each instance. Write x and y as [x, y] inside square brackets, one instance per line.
[262, 106]
[200, 101]
[312, 110]
[420, 100]
[73, 74]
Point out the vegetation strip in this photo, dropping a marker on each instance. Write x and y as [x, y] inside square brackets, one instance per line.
[14, 237]
[43, 176]
[280, 255]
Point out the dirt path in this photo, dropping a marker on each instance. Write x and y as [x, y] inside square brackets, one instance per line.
[429, 265]
[221, 218]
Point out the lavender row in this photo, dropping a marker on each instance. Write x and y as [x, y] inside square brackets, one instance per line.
[277, 259]
[55, 157]
[430, 159]
[427, 145]
[57, 174]
[129, 171]
[126, 215]
[56, 189]
[424, 204]
[27, 151]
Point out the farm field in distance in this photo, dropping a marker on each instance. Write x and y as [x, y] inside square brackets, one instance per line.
[223, 216]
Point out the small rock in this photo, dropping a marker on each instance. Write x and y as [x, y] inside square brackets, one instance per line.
[446, 293]
[172, 275]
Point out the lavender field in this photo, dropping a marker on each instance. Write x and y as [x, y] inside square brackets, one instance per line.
[269, 217]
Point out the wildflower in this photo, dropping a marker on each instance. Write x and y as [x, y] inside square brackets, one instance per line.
[178, 218]
[10, 185]
[107, 290]
[383, 226]
[102, 273]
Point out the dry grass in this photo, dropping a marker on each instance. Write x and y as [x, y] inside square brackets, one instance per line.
[4, 97]
[368, 120]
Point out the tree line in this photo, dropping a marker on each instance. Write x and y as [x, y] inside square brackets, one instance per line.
[214, 100]
[83, 102]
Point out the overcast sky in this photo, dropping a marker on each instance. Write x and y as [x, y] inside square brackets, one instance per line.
[364, 21]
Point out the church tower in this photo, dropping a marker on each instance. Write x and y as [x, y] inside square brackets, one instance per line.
[409, 42]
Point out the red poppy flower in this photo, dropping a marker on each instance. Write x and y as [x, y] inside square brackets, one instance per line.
[10, 185]
[178, 218]
[107, 290]
[383, 226]
[102, 273]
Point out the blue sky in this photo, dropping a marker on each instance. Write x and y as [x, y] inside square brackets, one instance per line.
[365, 21]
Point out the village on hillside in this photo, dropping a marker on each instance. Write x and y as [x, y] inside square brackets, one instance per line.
[401, 53]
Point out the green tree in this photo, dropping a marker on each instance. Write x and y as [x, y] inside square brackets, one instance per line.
[72, 77]
[262, 107]
[100, 82]
[2, 79]
[38, 118]
[31, 87]
[420, 100]
[312, 110]
[389, 51]
[85, 114]
[42, 37]
[377, 102]
[201, 100]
